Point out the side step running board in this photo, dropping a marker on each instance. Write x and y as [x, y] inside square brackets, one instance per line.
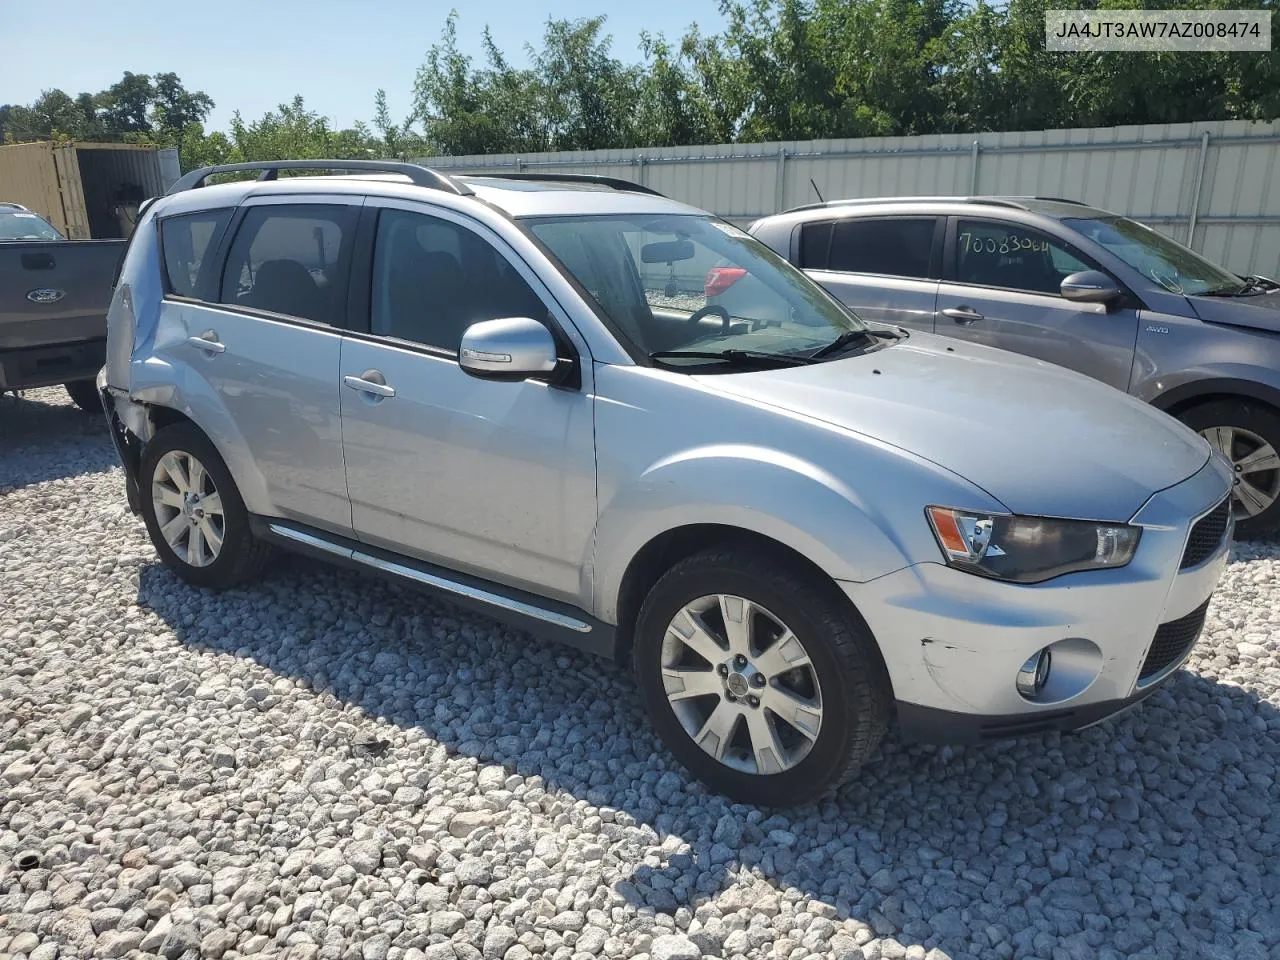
[567, 625]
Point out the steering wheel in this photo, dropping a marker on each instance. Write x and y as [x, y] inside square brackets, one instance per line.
[696, 317]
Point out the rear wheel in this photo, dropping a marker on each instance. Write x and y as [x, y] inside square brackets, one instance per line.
[84, 394]
[1247, 434]
[194, 514]
[761, 681]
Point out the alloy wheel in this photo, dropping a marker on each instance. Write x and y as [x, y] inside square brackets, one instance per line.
[188, 508]
[1256, 466]
[741, 684]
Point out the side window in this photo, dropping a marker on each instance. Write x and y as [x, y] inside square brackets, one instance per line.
[292, 259]
[898, 247]
[1010, 256]
[432, 279]
[815, 245]
[189, 242]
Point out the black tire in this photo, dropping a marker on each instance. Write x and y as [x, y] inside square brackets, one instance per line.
[1260, 420]
[242, 556]
[84, 394]
[855, 691]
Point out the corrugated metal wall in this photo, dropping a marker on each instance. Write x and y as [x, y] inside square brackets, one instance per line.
[1220, 177]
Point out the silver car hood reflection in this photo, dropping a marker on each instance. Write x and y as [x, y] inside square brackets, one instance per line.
[1037, 437]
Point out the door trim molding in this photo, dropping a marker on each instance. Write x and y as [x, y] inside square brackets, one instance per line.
[560, 622]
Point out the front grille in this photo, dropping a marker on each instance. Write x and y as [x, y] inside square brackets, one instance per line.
[1206, 535]
[1172, 641]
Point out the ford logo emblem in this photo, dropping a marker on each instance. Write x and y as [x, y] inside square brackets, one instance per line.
[46, 295]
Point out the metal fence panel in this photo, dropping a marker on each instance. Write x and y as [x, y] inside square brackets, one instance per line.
[1220, 178]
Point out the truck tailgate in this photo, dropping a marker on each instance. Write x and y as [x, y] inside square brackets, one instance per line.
[54, 292]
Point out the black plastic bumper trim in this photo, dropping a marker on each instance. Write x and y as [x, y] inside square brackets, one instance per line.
[931, 725]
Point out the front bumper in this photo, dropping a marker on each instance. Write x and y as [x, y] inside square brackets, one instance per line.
[931, 725]
[953, 642]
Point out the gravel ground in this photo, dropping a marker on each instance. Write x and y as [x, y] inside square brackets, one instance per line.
[329, 766]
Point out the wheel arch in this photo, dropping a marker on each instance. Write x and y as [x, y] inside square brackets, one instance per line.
[140, 418]
[1179, 399]
[668, 548]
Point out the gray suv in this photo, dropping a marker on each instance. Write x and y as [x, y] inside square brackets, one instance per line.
[1072, 285]
[797, 527]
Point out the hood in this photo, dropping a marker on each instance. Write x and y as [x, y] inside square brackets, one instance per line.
[1040, 439]
[1259, 312]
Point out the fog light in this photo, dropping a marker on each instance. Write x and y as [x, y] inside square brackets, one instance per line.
[1035, 674]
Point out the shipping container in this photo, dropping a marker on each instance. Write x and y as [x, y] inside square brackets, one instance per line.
[86, 190]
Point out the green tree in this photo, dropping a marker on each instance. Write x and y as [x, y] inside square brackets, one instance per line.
[589, 96]
[291, 131]
[127, 103]
[173, 107]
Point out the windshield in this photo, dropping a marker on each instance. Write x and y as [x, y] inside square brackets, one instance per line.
[1154, 255]
[687, 282]
[20, 225]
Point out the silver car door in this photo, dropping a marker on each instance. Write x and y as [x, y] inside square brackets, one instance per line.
[259, 344]
[491, 478]
[1002, 290]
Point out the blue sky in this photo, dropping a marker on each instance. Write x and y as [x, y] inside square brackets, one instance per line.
[252, 55]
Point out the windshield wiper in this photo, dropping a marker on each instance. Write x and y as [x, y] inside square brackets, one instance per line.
[1258, 285]
[1250, 286]
[738, 358]
[850, 337]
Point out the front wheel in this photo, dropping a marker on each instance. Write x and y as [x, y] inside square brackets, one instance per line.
[194, 514]
[761, 681]
[1247, 434]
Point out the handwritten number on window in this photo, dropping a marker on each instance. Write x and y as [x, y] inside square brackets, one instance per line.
[1004, 244]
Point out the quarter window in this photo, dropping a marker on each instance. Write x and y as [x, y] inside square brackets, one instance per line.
[292, 259]
[432, 279]
[189, 242]
[897, 247]
[1013, 257]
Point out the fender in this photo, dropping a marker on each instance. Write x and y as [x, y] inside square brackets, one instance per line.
[1204, 386]
[158, 383]
[778, 495]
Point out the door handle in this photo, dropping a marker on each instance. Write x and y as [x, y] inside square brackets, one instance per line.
[208, 342]
[962, 315]
[364, 384]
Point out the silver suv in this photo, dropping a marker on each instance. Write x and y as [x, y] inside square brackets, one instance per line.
[796, 526]
[1073, 285]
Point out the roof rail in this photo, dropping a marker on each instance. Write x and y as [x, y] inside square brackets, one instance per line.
[1078, 203]
[616, 183]
[996, 201]
[422, 176]
[11, 205]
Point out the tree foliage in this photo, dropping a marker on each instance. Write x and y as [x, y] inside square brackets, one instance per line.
[779, 70]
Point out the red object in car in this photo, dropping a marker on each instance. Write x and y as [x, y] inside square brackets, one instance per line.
[720, 279]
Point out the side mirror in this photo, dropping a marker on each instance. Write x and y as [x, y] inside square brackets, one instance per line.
[514, 348]
[1089, 286]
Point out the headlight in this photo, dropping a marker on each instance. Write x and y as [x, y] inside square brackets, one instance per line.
[1029, 549]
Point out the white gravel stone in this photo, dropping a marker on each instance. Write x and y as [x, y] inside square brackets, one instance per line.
[323, 766]
[675, 947]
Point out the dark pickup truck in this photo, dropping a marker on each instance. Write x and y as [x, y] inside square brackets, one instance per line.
[54, 295]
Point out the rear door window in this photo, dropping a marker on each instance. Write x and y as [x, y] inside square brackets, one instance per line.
[189, 243]
[292, 259]
[894, 248]
[891, 247]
